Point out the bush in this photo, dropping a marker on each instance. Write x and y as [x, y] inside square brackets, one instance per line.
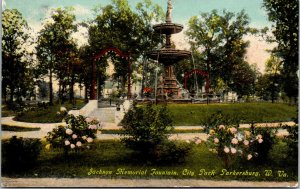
[263, 149]
[292, 143]
[229, 142]
[146, 126]
[19, 153]
[171, 152]
[279, 153]
[146, 130]
[77, 135]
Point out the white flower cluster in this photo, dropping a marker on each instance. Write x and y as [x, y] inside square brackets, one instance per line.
[78, 133]
[78, 141]
[62, 110]
[74, 136]
[238, 142]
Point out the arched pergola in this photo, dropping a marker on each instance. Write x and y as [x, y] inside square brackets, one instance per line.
[101, 54]
[187, 75]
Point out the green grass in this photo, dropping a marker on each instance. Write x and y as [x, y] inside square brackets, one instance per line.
[195, 114]
[112, 155]
[18, 128]
[5, 112]
[188, 114]
[47, 115]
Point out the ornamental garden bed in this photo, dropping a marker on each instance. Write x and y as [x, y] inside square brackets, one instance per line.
[47, 113]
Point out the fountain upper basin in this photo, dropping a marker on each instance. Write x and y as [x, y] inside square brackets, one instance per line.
[169, 56]
[168, 28]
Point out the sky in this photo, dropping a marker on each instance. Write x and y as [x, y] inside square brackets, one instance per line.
[36, 11]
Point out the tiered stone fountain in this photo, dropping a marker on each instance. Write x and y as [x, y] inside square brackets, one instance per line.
[168, 56]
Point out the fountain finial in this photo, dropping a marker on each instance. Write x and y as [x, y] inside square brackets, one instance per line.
[169, 11]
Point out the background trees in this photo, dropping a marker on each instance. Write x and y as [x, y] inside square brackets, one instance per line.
[56, 50]
[270, 84]
[220, 40]
[119, 26]
[17, 79]
[217, 41]
[285, 17]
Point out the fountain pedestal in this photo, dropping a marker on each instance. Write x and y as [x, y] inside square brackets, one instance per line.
[168, 87]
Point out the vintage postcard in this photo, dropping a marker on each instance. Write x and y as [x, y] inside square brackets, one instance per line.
[149, 93]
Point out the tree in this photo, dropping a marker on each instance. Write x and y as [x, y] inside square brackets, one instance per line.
[243, 78]
[219, 38]
[56, 49]
[16, 69]
[270, 84]
[205, 32]
[285, 16]
[265, 88]
[130, 31]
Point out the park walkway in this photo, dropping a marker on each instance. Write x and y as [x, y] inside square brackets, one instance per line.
[47, 127]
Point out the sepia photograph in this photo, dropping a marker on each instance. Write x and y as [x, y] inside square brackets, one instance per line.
[149, 93]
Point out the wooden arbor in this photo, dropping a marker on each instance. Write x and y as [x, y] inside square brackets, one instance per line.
[101, 54]
[187, 75]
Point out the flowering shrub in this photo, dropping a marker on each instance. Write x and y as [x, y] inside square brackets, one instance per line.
[78, 134]
[230, 142]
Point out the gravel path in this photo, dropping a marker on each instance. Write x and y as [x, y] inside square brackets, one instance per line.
[63, 182]
[46, 127]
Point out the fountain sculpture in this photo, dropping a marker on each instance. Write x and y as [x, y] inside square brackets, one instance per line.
[168, 56]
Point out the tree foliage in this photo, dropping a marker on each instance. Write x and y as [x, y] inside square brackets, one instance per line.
[219, 38]
[146, 126]
[55, 49]
[285, 18]
[146, 130]
[269, 85]
[16, 72]
[117, 25]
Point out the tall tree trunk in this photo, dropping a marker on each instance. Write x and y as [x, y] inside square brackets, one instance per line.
[86, 99]
[143, 78]
[4, 93]
[71, 92]
[59, 92]
[50, 88]
[12, 89]
[63, 90]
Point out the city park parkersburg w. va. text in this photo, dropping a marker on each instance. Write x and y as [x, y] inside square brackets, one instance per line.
[231, 121]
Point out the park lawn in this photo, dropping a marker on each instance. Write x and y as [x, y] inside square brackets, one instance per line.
[111, 155]
[188, 114]
[196, 114]
[47, 115]
[6, 112]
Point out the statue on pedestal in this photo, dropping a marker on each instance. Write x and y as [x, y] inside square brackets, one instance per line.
[169, 11]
